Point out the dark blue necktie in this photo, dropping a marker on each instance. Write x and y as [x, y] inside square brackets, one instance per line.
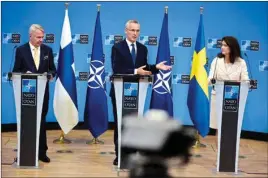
[133, 53]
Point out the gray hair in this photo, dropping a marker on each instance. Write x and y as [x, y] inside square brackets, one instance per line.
[35, 27]
[131, 21]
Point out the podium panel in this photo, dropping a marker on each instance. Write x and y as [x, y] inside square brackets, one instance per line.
[230, 104]
[29, 92]
[130, 94]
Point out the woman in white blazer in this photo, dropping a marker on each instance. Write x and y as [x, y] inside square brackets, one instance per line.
[228, 65]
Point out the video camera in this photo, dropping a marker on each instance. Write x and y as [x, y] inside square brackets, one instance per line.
[154, 139]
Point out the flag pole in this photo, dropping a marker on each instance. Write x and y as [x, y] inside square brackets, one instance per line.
[61, 139]
[96, 140]
[198, 144]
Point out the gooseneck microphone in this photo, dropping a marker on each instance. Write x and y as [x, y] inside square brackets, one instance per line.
[251, 81]
[48, 73]
[213, 80]
[12, 61]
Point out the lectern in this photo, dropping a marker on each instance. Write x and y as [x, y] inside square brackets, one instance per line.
[231, 98]
[130, 95]
[29, 92]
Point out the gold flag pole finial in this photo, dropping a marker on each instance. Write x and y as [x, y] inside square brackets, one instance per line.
[98, 6]
[201, 9]
[166, 9]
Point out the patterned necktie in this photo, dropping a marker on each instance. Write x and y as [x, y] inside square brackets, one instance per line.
[36, 60]
[133, 53]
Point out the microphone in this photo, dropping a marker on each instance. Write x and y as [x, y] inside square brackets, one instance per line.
[12, 61]
[48, 75]
[112, 64]
[253, 83]
[213, 80]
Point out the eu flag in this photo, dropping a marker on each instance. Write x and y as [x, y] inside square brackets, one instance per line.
[96, 110]
[162, 94]
[198, 100]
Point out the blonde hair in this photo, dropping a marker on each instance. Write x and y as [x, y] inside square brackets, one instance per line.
[35, 27]
[131, 21]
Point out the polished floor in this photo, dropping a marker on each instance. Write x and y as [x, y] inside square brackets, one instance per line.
[79, 159]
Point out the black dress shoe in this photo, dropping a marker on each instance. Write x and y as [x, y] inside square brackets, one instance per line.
[44, 159]
[115, 161]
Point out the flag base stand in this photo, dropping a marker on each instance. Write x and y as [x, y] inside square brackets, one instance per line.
[62, 140]
[242, 156]
[198, 144]
[95, 141]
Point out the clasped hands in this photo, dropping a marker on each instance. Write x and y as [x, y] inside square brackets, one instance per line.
[159, 66]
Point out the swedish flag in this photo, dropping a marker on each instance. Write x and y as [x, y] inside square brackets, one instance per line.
[198, 100]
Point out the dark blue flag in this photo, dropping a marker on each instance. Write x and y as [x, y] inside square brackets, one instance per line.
[96, 110]
[162, 94]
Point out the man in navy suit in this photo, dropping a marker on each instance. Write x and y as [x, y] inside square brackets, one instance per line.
[130, 57]
[35, 57]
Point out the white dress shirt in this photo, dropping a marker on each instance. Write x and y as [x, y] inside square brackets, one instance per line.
[130, 49]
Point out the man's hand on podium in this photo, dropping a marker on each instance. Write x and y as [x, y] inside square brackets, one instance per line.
[141, 71]
[28, 72]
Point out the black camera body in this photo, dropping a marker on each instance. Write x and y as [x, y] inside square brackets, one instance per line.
[150, 143]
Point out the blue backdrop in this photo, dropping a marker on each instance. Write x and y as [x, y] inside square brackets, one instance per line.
[245, 20]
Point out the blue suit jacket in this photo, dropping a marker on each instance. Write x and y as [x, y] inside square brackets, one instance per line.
[122, 62]
[24, 62]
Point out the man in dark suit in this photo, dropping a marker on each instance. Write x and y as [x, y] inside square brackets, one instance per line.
[130, 57]
[35, 57]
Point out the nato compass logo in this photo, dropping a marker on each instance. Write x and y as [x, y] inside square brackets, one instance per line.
[76, 75]
[55, 57]
[10, 38]
[182, 42]
[88, 58]
[130, 100]
[107, 76]
[6, 38]
[113, 39]
[130, 89]
[96, 77]
[4, 77]
[231, 92]
[247, 45]
[29, 85]
[161, 85]
[28, 92]
[109, 40]
[176, 78]
[263, 66]
[76, 38]
[144, 40]
[231, 98]
[214, 43]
